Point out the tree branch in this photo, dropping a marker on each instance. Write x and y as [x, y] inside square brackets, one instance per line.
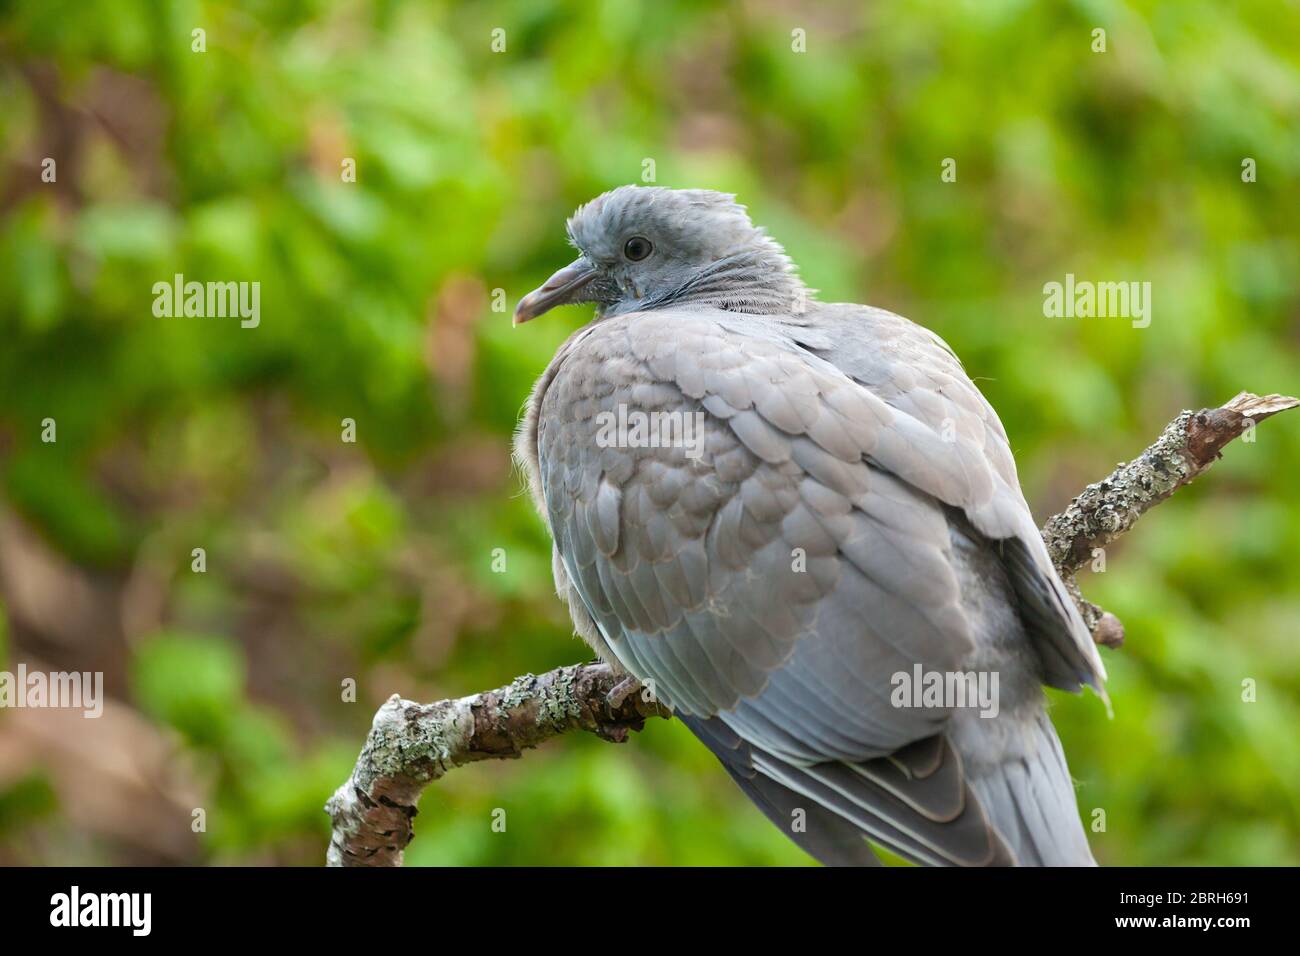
[1109, 508]
[410, 745]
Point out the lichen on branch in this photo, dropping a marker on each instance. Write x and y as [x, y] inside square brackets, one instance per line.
[410, 745]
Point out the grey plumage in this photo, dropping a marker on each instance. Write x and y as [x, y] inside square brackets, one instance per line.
[853, 511]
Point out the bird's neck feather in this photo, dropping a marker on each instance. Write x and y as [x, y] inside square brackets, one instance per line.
[758, 281]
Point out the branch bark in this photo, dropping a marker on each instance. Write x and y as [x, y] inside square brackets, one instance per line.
[1109, 508]
[410, 745]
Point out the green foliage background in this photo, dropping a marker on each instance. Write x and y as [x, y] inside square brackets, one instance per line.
[328, 560]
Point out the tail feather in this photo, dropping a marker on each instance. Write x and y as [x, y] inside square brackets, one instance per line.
[903, 803]
[1030, 799]
[1012, 800]
[823, 835]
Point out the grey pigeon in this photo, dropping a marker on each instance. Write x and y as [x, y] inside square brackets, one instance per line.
[781, 514]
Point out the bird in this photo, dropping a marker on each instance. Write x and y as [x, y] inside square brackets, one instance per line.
[782, 517]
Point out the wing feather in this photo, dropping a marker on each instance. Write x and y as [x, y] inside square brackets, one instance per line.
[771, 586]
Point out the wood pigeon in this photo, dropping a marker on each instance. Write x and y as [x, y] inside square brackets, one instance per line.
[800, 524]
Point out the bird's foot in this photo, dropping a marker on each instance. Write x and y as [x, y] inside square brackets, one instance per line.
[620, 692]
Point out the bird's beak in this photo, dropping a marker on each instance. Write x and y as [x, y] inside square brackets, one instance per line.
[560, 289]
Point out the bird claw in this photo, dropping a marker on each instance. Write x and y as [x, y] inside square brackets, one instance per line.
[620, 692]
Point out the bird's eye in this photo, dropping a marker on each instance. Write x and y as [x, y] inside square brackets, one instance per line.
[637, 248]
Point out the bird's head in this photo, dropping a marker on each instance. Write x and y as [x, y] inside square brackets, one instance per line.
[646, 247]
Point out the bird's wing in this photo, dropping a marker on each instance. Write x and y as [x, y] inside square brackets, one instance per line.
[705, 573]
[915, 373]
[779, 580]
